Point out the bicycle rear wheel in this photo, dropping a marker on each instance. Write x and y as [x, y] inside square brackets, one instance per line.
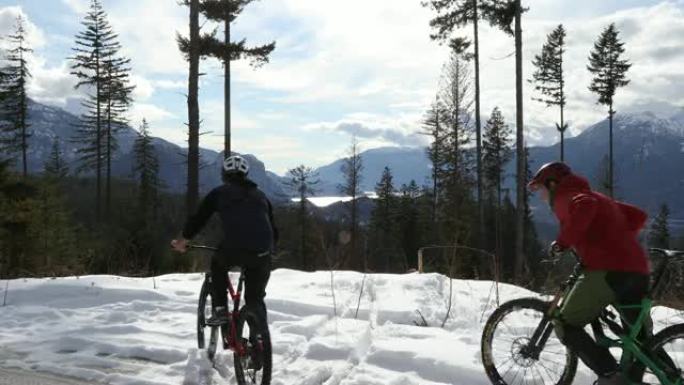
[510, 357]
[256, 364]
[668, 354]
[206, 339]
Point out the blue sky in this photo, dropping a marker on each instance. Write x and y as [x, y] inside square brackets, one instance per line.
[359, 66]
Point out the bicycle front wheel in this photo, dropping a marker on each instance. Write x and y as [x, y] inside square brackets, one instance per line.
[511, 357]
[207, 336]
[255, 365]
[667, 352]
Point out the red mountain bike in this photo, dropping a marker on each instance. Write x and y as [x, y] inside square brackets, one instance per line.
[249, 342]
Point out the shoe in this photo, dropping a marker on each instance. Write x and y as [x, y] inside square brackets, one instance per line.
[256, 357]
[219, 318]
[613, 379]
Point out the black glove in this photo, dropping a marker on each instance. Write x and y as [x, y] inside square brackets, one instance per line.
[556, 250]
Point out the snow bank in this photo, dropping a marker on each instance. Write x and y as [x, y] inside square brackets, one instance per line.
[119, 330]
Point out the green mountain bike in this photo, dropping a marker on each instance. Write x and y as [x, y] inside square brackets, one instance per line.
[520, 347]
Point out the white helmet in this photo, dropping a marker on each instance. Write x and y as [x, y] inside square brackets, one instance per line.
[235, 165]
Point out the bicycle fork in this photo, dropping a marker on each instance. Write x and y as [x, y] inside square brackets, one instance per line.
[543, 331]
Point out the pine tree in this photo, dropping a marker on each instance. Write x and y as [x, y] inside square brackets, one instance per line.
[16, 208]
[503, 13]
[117, 98]
[497, 151]
[55, 167]
[96, 49]
[352, 168]
[602, 177]
[609, 70]
[303, 180]
[225, 12]
[52, 230]
[147, 170]
[549, 80]
[382, 222]
[435, 126]
[660, 229]
[14, 110]
[453, 14]
[409, 222]
[456, 94]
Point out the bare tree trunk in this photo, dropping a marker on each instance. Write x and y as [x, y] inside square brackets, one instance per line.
[108, 188]
[192, 194]
[478, 129]
[562, 122]
[226, 93]
[302, 218]
[98, 136]
[611, 180]
[520, 147]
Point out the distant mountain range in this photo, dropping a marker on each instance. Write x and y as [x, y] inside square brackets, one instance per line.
[649, 161]
[48, 123]
[649, 158]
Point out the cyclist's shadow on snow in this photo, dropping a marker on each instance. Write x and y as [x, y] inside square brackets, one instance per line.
[200, 371]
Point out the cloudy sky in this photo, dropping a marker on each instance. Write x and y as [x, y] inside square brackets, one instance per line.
[355, 66]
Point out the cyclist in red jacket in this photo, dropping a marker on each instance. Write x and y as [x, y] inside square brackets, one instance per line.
[603, 232]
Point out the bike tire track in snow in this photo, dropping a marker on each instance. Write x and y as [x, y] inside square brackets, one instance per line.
[123, 331]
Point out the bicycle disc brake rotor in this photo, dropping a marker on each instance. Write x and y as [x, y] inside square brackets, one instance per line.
[520, 352]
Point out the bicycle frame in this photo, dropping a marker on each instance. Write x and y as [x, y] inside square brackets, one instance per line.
[233, 342]
[631, 348]
[230, 338]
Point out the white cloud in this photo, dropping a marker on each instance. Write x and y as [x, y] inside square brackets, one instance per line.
[170, 84]
[150, 112]
[371, 65]
[78, 6]
[8, 22]
[376, 130]
[143, 88]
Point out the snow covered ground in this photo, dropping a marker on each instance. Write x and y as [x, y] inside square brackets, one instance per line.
[117, 330]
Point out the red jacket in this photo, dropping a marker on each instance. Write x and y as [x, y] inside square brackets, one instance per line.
[601, 230]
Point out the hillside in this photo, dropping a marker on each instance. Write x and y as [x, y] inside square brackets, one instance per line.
[48, 123]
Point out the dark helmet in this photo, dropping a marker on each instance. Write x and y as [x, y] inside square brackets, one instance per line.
[554, 171]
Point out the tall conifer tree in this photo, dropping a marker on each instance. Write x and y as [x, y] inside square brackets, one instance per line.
[352, 168]
[453, 14]
[660, 229]
[507, 15]
[225, 12]
[549, 80]
[383, 220]
[55, 167]
[303, 180]
[497, 151]
[609, 68]
[15, 134]
[147, 170]
[96, 46]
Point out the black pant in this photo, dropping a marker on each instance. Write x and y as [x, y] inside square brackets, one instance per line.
[257, 272]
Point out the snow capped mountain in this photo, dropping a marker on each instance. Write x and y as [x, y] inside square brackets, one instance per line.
[48, 123]
[649, 159]
[406, 163]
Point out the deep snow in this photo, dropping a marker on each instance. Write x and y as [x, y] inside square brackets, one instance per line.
[117, 330]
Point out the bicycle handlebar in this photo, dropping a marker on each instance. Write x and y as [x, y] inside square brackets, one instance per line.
[667, 253]
[202, 247]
